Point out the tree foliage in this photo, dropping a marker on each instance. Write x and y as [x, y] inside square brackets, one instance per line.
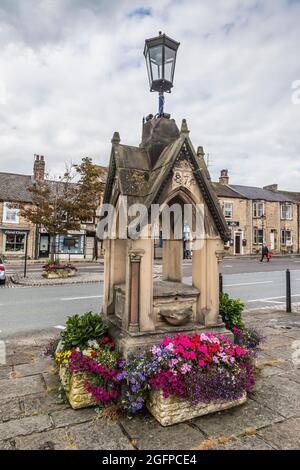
[59, 206]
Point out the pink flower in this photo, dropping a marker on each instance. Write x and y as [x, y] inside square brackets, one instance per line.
[201, 363]
[185, 368]
[240, 351]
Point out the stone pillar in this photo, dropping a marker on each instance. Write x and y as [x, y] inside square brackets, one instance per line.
[114, 269]
[135, 266]
[172, 260]
[199, 280]
[212, 300]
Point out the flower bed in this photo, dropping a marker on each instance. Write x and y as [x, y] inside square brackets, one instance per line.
[56, 270]
[182, 377]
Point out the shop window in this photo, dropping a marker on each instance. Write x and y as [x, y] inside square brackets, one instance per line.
[76, 248]
[14, 242]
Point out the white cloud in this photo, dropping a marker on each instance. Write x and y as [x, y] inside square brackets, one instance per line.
[72, 72]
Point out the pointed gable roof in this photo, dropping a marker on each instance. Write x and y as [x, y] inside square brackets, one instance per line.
[131, 174]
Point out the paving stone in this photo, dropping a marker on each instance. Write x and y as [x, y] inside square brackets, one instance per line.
[21, 427]
[69, 416]
[52, 381]
[278, 394]
[56, 439]
[6, 445]
[234, 421]
[33, 368]
[12, 388]
[99, 435]
[10, 409]
[293, 375]
[148, 434]
[285, 435]
[42, 403]
[5, 372]
[246, 443]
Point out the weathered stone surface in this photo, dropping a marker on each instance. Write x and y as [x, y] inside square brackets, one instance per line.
[52, 381]
[246, 443]
[236, 420]
[147, 434]
[10, 409]
[69, 417]
[278, 394]
[285, 435]
[19, 387]
[99, 435]
[173, 410]
[33, 368]
[21, 427]
[6, 445]
[74, 386]
[56, 439]
[5, 372]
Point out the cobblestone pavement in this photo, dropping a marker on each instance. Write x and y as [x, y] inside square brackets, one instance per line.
[33, 416]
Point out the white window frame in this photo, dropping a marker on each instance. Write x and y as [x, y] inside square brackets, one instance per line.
[256, 231]
[258, 209]
[284, 239]
[229, 209]
[10, 215]
[283, 211]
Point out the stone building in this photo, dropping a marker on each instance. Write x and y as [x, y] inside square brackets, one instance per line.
[15, 231]
[259, 215]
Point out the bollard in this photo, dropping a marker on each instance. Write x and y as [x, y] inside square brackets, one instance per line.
[220, 283]
[288, 292]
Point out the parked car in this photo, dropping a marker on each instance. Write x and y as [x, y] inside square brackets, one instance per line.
[2, 272]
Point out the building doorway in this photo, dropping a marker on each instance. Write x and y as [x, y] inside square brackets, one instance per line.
[44, 246]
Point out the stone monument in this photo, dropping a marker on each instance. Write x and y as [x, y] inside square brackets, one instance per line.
[164, 170]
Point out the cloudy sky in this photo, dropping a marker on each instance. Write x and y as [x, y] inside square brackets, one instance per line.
[72, 72]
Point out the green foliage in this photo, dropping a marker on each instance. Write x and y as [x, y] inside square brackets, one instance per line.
[231, 312]
[82, 328]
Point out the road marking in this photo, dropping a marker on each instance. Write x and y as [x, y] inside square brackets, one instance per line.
[248, 283]
[271, 298]
[60, 327]
[227, 266]
[83, 297]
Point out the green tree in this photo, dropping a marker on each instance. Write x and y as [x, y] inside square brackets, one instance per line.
[60, 205]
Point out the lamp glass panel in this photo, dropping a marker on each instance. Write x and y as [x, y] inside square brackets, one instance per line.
[156, 62]
[170, 56]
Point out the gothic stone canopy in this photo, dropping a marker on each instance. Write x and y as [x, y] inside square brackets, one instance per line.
[141, 173]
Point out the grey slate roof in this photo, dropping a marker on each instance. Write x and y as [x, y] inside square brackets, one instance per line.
[251, 192]
[13, 188]
[222, 190]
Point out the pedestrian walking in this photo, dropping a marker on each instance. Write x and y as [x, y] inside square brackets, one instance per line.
[264, 253]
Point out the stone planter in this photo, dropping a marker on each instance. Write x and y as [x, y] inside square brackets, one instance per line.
[60, 274]
[174, 410]
[74, 387]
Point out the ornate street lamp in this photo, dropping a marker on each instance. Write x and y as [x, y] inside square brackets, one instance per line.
[160, 54]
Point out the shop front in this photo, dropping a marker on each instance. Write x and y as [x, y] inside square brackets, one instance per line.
[15, 242]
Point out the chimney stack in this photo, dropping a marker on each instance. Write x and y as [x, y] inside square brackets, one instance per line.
[224, 178]
[39, 168]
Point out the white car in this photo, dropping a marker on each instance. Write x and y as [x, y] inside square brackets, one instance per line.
[2, 272]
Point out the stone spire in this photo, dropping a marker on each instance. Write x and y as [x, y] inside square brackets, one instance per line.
[116, 138]
[184, 128]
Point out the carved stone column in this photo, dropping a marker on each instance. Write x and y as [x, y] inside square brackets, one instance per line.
[135, 265]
